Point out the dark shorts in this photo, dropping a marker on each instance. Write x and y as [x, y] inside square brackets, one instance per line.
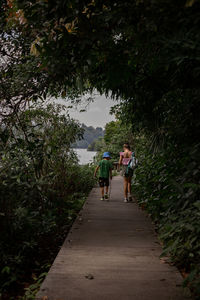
[103, 181]
[129, 174]
[125, 173]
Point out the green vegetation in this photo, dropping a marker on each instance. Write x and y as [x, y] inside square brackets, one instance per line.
[90, 135]
[167, 185]
[96, 144]
[42, 188]
[146, 53]
[116, 134]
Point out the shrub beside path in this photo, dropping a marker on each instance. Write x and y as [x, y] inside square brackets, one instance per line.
[111, 253]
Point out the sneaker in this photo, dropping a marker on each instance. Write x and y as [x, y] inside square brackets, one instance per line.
[125, 200]
[130, 199]
[102, 199]
[106, 197]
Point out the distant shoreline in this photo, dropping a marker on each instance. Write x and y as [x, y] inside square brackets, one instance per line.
[84, 148]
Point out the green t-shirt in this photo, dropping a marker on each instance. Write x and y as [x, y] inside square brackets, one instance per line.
[105, 166]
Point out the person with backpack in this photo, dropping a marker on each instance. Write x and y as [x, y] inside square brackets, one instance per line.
[128, 162]
[105, 167]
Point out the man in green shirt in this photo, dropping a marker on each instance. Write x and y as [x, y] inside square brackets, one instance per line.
[105, 167]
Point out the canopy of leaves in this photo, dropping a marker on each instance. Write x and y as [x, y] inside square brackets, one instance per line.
[145, 52]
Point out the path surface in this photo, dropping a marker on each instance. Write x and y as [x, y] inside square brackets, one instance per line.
[111, 253]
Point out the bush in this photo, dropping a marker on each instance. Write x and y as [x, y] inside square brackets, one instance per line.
[167, 185]
[42, 188]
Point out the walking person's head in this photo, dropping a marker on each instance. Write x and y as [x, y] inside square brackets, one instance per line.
[106, 155]
[126, 146]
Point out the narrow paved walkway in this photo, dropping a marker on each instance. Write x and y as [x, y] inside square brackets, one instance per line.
[111, 253]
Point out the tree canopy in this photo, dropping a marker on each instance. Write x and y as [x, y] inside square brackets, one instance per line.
[145, 52]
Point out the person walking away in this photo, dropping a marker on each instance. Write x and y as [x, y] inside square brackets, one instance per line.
[105, 167]
[125, 158]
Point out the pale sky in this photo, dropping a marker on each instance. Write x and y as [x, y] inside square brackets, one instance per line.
[97, 113]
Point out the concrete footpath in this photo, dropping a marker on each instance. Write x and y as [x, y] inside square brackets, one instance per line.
[111, 253]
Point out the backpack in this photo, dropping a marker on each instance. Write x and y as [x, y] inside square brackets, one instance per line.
[133, 163]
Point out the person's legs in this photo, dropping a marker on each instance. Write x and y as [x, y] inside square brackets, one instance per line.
[102, 191]
[106, 194]
[107, 189]
[129, 185]
[125, 187]
[101, 184]
[129, 188]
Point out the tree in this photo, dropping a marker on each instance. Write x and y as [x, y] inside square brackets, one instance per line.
[39, 197]
[146, 53]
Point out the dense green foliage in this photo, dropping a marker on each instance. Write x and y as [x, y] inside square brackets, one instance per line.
[116, 134]
[96, 145]
[167, 185]
[42, 188]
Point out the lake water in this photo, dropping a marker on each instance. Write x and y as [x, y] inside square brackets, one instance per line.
[85, 156]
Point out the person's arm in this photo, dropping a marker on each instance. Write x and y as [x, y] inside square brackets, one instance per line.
[95, 172]
[120, 162]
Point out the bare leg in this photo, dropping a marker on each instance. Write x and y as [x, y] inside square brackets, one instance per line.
[106, 189]
[129, 185]
[125, 187]
[102, 191]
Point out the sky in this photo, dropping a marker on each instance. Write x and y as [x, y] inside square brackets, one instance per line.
[96, 114]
